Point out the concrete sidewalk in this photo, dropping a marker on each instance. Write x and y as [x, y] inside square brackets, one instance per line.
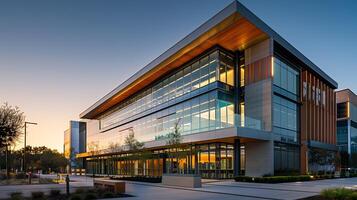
[211, 189]
[230, 189]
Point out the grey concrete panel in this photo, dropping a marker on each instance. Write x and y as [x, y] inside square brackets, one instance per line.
[259, 158]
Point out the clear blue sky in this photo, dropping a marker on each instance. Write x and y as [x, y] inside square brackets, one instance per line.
[59, 57]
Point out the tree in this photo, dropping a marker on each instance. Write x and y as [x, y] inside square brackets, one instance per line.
[131, 142]
[52, 160]
[114, 147]
[93, 150]
[39, 158]
[174, 140]
[174, 137]
[11, 123]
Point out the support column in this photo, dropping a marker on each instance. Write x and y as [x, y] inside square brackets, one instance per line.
[236, 157]
[196, 161]
[164, 164]
[259, 158]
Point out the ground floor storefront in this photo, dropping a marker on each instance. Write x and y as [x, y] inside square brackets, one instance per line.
[216, 160]
[213, 160]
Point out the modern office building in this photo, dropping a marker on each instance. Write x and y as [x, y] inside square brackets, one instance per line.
[74, 143]
[244, 100]
[347, 127]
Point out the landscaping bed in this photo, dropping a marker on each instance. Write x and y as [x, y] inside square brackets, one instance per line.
[272, 179]
[284, 179]
[79, 194]
[147, 179]
[22, 178]
[335, 194]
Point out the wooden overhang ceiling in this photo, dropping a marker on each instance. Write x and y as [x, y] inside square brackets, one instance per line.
[234, 28]
[233, 33]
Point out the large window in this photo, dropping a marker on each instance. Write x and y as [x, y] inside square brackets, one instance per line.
[342, 110]
[285, 119]
[286, 159]
[285, 76]
[215, 160]
[226, 72]
[342, 135]
[208, 69]
[205, 112]
[354, 139]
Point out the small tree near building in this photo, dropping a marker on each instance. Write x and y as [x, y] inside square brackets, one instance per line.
[11, 123]
[132, 143]
[174, 141]
[93, 150]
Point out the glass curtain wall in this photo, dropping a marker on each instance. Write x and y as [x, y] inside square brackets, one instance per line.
[217, 66]
[214, 160]
[285, 118]
[203, 113]
[286, 77]
[285, 110]
[286, 159]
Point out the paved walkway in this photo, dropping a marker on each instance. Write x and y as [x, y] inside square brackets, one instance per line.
[238, 190]
[211, 189]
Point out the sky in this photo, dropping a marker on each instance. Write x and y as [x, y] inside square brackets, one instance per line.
[57, 58]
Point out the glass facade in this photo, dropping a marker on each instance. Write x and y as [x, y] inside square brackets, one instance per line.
[285, 110]
[342, 135]
[197, 97]
[353, 137]
[347, 134]
[342, 110]
[353, 162]
[210, 111]
[216, 66]
[286, 159]
[214, 160]
[286, 77]
[285, 119]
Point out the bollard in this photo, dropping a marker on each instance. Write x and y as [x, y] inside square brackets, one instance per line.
[67, 185]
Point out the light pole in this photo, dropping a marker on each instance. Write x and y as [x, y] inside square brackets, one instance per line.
[24, 163]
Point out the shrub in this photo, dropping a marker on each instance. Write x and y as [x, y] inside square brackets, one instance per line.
[16, 196]
[90, 196]
[148, 179]
[75, 197]
[20, 175]
[37, 195]
[108, 194]
[353, 196]
[80, 191]
[338, 193]
[55, 193]
[2, 176]
[272, 179]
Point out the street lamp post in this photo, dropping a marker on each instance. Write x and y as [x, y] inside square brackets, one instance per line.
[24, 163]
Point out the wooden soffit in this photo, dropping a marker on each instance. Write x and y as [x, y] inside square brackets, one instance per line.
[233, 33]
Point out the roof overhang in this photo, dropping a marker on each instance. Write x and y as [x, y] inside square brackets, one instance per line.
[233, 28]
